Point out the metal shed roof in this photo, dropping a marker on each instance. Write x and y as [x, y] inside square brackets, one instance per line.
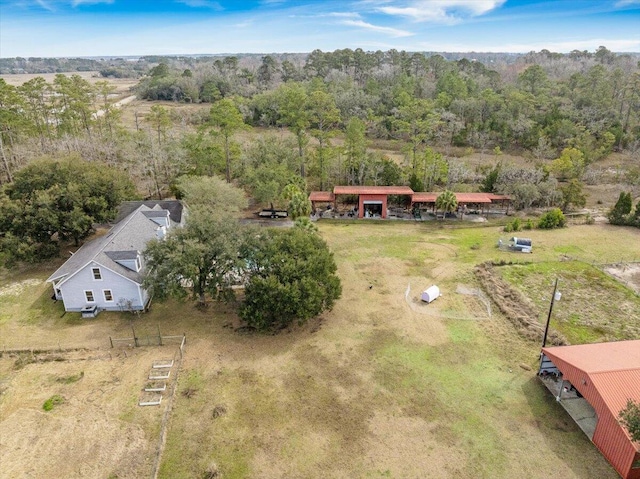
[607, 375]
[600, 357]
[460, 197]
[424, 197]
[372, 190]
[321, 196]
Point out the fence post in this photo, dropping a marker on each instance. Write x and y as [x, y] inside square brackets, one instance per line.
[111, 341]
[159, 335]
[135, 339]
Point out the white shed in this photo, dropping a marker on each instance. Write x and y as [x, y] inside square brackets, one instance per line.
[430, 294]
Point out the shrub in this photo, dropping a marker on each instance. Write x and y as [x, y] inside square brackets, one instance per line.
[552, 219]
[529, 225]
[618, 214]
[515, 225]
[52, 402]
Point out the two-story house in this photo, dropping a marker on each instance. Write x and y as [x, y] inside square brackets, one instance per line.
[106, 274]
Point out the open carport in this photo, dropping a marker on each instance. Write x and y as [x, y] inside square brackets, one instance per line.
[593, 382]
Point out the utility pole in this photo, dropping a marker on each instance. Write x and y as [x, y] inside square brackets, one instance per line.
[555, 296]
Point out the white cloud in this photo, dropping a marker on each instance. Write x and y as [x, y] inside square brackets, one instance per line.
[75, 3]
[624, 3]
[615, 45]
[245, 24]
[45, 5]
[213, 5]
[344, 14]
[441, 11]
[394, 32]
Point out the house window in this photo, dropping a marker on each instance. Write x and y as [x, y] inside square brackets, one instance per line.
[96, 273]
[137, 263]
[89, 296]
[107, 295]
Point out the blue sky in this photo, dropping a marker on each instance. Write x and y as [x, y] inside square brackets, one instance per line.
[50, 28]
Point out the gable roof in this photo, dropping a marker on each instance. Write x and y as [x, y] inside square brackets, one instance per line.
[173, 206]
[613, 368]
[121, 242]
[599, 357]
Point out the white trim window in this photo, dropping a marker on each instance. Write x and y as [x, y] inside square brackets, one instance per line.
[138, 266]
[88, 294]
[108, 295]
[97, 274]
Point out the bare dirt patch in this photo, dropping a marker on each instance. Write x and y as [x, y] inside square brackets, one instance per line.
[514, 306]
[628, 273]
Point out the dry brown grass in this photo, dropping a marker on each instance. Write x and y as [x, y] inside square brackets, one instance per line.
[98, 430]
[123, 85]
[515, 306]
[374, 388]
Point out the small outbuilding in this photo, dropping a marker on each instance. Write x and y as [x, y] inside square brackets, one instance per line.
[430, 294]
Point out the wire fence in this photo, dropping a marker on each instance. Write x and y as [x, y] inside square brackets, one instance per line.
[146, 338]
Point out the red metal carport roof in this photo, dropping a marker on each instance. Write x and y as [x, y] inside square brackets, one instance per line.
[473, 198]
[460, 197]
[613, 369]
[372, 190]
[321, 196]
[600, 357]
[424, 197]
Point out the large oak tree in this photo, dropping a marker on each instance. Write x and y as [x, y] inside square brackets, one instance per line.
[292, 278]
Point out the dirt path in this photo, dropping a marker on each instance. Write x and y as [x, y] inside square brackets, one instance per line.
[118, 104]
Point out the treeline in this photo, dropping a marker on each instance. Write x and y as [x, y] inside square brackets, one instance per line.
[108, 67]
[541, 99]
[325, 111]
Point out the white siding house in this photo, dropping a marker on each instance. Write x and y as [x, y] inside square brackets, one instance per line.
[106, 274]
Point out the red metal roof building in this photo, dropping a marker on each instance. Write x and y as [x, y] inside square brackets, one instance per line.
[606, 375]
[374, 198]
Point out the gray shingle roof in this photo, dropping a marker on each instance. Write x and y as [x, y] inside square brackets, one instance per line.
[173, 206]
[122, 241]
[121, 255]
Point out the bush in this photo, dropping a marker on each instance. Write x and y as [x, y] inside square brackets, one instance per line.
[624, 205]
[52, 402]
[515, 225]
[529, 225]
[552, 219]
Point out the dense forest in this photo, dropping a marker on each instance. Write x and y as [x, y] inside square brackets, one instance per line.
[317, 120]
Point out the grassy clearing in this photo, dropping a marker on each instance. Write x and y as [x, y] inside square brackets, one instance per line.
[594, 307]
[377, 389]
